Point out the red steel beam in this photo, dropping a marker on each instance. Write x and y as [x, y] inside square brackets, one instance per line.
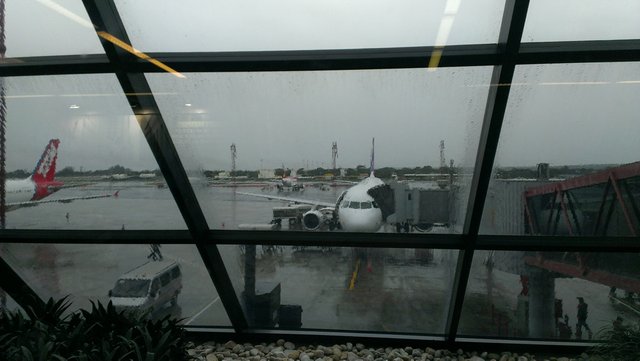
[593, 275]
[622, 172]
[603, 203]
[552, 210]
[564, 211]
[623, 206]
[532, 227]
[573, 213]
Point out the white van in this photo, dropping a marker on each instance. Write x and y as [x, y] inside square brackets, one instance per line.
[148, 287]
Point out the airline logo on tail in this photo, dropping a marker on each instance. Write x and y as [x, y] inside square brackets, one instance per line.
[43, 175]
[46, 168]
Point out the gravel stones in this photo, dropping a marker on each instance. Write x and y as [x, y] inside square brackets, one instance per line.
[283, 350]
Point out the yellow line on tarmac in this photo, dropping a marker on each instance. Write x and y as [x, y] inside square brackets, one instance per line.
[352, 284]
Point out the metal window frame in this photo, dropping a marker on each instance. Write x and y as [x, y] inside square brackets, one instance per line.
[503, 56]
[17, 288]
[376, 240]
[513, 20]
[567, 52]
[105, 17]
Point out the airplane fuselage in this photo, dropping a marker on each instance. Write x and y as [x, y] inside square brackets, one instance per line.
[357, 210]
[289, 181]
[24, 190]
[19, 190]
[289, 184]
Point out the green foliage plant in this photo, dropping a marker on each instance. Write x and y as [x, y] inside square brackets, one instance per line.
[621, 343]
[47, 332]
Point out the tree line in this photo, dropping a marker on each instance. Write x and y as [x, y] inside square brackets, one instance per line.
[72, 172]
[384, 172]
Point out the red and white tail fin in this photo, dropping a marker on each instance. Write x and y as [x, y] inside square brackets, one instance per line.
[45, 170]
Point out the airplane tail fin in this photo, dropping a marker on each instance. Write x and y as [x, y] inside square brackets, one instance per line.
[373, 153]
[45, 169]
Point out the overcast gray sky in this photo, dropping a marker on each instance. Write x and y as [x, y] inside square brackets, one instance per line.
[562, 114]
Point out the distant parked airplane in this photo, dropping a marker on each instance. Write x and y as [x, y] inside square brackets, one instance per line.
[41, 183]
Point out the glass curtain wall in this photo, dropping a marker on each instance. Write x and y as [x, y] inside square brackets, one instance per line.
[258, 138]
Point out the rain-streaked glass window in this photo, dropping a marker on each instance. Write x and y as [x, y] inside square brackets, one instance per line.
[262, 139]
[77, 158]
[178, 284]
[198, 25]
[567, 158]
[344, 148]
[542, 295]
[46, 28]
[573, 20]
[343, 288]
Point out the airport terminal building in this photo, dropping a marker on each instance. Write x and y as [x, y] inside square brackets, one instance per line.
[213, 161]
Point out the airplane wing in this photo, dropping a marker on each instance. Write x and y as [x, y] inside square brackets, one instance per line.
[288, 199]
[59, 200]
[343, 182]
[340, 182]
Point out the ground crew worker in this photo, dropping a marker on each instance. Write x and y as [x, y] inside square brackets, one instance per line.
[582, 318]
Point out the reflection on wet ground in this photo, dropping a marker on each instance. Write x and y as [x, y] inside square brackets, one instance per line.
[495, 304]
[88, 272]
[383, 290]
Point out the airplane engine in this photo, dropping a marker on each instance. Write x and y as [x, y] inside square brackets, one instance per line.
[314, 220]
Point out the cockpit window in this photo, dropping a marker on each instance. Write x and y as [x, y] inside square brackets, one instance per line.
[374, 204]
[365, 205]
[354, 205]
[345, 204]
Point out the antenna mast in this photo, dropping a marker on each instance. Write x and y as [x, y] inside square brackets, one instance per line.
[334, 154]
[443, 162]
[233, 161]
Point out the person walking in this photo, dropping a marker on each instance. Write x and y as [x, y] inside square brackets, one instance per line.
[582, 318]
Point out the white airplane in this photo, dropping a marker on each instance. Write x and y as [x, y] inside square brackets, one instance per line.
[287, 183]
[361, 208]
[290, 182]
[41, 184]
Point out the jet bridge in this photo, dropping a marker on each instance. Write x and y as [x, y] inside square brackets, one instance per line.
[421, 207]
[597, 204]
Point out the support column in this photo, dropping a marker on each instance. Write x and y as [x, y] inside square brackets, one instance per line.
[249, 272]
[541, 304]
